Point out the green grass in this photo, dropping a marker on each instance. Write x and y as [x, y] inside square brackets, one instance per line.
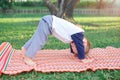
[101, 31]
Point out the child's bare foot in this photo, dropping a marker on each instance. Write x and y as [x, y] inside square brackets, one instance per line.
[29, 61]
[87, 60]
[23, 50]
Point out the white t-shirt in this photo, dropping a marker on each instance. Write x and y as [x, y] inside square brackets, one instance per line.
[63, 29]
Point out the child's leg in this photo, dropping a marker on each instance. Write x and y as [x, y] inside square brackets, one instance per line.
[27, 44]
[39, 39]
[48, 21]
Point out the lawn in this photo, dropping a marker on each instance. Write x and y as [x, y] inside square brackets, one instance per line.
[101, 31]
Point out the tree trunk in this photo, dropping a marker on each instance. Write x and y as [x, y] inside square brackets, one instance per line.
[52, 8]
[61, 8]
[70, 8]
[64, 8]
[99, 4]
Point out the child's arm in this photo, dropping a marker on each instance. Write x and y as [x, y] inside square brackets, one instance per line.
[84, 60]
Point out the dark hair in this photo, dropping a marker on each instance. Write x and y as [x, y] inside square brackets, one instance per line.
[87, 48]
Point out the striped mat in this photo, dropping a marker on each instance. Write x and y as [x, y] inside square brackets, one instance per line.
[11, 61]
[6, 51]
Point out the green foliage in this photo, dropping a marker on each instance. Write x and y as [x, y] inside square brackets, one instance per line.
[81, 4]
[29, 4]
[101, 31]
[5, 4]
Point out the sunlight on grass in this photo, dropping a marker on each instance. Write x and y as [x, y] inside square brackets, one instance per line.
[96, 19]
[10, 20]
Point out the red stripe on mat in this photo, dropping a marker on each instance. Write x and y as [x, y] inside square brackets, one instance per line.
[5, 50]
[5, 59]
[64, 61]
[2, 46]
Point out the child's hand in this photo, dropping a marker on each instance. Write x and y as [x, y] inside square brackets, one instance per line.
[75, 55]
[87, 60]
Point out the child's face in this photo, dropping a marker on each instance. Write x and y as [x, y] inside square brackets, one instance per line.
[74, 46]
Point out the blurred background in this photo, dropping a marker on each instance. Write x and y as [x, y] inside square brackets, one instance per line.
[61, 8]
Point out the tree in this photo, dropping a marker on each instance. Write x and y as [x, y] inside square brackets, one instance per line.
[63, 8]
[5, 4]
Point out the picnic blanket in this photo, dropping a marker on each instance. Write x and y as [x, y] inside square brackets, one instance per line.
[11, 60]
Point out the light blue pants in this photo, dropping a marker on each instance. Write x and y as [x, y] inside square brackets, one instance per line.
[40, 37]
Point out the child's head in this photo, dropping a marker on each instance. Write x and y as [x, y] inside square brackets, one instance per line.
[86, 44]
